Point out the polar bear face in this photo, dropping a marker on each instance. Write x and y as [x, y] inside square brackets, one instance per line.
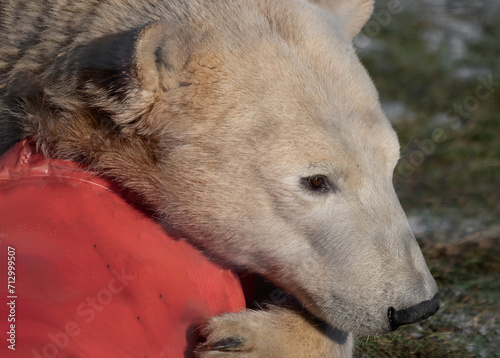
[252, 130]
[278, 159]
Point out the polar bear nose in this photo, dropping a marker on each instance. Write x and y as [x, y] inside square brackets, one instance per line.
[413, 314]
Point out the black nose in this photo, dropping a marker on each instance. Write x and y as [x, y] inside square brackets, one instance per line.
[413, 314]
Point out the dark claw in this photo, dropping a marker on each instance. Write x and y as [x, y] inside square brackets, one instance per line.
[227, 344]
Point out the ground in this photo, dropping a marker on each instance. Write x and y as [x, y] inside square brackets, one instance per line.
[427, 60]
[468, 323]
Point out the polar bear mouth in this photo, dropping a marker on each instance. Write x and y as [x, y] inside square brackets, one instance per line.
[267, 294]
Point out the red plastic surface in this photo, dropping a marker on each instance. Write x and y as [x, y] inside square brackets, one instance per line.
[95, 277]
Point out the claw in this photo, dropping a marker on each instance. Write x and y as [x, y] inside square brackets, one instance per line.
[226, 345]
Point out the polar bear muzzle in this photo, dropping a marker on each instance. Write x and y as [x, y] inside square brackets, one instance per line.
[413, 314]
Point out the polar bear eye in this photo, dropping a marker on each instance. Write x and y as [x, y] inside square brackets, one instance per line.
[317, 183]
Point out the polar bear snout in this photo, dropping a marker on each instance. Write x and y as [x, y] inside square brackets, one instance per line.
[413, 314]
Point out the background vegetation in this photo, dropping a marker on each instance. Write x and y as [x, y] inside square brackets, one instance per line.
[437, 67]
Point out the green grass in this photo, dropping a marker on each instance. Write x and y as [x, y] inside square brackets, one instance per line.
[468, 323]
[463, 170]
[458, 182]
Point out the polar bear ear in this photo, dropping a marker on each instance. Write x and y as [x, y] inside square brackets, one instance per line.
[121, 74]
[353, 13]
[160, 51]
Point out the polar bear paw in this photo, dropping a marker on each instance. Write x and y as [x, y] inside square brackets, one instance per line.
[273, 333]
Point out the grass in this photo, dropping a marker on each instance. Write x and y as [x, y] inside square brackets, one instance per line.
[468, 323]
[454, 186]
[463, 170]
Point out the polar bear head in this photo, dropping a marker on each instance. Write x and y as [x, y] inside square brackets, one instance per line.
[277, 158]
[253, 131]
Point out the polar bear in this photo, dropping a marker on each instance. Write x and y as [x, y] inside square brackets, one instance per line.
[251, 129]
